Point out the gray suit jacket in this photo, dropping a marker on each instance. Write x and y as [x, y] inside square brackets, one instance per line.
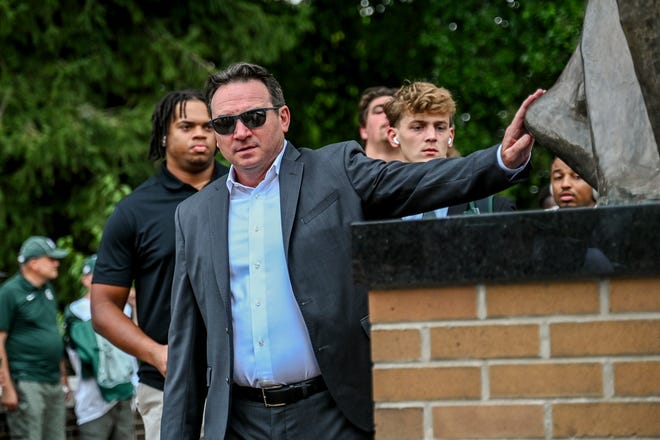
[321, 193]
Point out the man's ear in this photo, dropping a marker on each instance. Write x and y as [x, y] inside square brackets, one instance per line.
[285, 118]
[363, 133]
[392, 137]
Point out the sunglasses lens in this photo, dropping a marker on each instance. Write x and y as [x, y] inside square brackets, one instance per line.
[224, 125]
[251, 119]
[254, 118]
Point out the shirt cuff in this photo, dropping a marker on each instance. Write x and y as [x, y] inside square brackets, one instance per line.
[512, 172]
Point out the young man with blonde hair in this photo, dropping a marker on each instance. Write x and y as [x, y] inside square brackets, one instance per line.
[421, 117]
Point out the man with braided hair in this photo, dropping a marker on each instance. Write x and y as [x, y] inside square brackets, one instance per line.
[138, 244]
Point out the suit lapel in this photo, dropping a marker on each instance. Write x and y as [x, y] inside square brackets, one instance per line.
[291, 172]
[218, 215]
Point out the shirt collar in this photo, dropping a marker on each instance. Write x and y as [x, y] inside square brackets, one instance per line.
[171, 182]
[271, 174]
[28, 286]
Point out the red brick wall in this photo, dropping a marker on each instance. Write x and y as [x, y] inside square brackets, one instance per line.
[537, 360]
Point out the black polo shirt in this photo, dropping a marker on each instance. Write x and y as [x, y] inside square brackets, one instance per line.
[138, 246]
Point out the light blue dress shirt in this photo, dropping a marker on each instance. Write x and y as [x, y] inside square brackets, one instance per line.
[271, 341]
[439, 213]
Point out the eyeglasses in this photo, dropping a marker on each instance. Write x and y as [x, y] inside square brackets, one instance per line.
[251, 119]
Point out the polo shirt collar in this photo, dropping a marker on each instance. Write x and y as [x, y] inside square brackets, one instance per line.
[26, 285]
[171, 182]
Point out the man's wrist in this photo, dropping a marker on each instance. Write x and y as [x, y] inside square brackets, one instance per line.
[512, 172]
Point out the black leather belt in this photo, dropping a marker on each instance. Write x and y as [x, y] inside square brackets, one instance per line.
[280, 395]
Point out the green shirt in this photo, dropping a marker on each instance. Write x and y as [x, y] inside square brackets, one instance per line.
[29, 316]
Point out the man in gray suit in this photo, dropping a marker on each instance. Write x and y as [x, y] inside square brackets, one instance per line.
[267, 323]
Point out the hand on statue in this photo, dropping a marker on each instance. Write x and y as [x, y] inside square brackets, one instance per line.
[517, 142]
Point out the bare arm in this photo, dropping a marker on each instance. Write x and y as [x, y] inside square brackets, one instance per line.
[109, 321]
[64, 379]
[9, 395]
[517, 142]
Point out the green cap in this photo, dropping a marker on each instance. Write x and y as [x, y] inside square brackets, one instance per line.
[35, 247]
[88, 265]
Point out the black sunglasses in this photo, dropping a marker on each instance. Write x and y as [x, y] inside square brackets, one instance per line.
[251, 119]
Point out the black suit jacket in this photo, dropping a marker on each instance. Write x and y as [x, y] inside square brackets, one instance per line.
[321, 193]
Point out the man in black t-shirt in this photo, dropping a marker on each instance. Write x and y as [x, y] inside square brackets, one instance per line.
[138, 244]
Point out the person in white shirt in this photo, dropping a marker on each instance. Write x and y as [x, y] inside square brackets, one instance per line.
[103, 399]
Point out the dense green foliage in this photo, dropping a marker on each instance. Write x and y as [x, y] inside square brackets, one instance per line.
[490, 54]
[78, 82]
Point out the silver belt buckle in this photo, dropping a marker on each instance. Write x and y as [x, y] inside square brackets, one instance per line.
[263, 394]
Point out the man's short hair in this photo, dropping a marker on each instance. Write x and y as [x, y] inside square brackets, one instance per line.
[369, 95]
[420, 97]
[244, 72]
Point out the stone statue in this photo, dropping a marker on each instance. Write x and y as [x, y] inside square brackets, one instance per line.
[602, 115]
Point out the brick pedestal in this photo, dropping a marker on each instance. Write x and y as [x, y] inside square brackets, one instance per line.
[506, 327]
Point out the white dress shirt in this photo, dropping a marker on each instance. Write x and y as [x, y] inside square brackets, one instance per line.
[271, 341]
